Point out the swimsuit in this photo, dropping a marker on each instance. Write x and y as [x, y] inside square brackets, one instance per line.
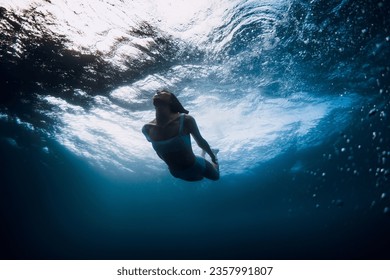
[179, 142]
[192, 173]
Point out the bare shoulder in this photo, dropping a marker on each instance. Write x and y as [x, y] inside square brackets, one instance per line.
[151, 123]
[147, 126]
[190, 124]
[189, 120]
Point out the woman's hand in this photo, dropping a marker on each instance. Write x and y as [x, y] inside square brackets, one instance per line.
[214, 159]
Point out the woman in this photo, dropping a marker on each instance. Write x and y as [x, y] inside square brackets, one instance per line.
[170, 133]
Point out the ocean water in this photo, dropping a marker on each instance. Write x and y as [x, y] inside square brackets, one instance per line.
[294, 94]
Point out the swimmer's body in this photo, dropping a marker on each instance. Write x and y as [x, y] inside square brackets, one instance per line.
[170, 133]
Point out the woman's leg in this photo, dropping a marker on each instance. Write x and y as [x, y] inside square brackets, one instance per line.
[211, 171]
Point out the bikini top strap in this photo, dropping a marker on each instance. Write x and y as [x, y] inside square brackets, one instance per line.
[181, 123]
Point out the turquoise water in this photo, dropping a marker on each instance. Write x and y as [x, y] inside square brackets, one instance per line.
[294, 94]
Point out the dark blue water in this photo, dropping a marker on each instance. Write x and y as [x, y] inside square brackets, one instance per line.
[295, 94]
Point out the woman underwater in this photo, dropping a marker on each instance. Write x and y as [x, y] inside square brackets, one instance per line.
[170, 133]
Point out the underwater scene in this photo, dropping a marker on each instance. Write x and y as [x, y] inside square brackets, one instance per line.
[293, 93]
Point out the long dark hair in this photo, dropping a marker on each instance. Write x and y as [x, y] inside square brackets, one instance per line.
[175, 104]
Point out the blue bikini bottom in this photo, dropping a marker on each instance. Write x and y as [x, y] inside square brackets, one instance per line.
[193, 173]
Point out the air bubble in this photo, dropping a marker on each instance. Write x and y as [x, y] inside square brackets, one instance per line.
[12, 142]
[372, 112]
[339, 203]
[383, 195]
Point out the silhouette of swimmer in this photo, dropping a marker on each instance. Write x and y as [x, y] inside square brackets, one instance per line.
[170, 133]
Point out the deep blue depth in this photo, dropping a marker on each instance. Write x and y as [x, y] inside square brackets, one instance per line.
[327, 201]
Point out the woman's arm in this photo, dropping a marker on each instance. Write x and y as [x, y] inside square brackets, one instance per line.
[202, 143]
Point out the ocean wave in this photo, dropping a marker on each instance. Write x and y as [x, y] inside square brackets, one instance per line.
[239, 66]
